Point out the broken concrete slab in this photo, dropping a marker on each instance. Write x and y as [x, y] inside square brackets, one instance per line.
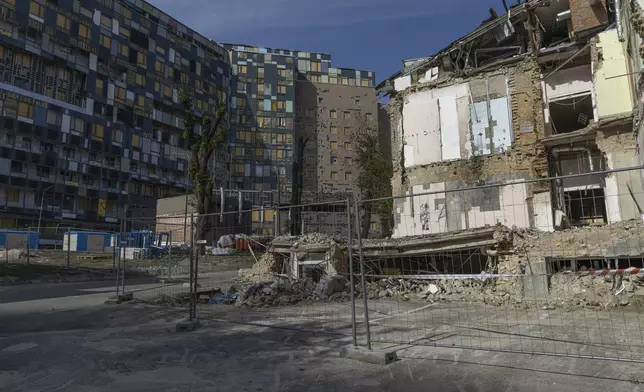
[117, 299]
[378, 357]
[187, 325]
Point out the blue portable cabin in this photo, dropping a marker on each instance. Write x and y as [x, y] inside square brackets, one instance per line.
[88, 241]
[19, 239]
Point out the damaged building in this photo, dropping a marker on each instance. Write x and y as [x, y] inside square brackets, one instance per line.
[526, 123]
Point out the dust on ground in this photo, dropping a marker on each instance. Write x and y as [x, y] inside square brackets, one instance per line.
[135, 348]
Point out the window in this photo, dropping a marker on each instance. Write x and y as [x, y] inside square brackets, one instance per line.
[281, 90]
[13, 195]
[281, 104]
[141, 60]
[68, 152]
[124, 31]
[365, 83]
[347, 115]
[106, 22]
[310, 112]
[333, 80]
[281, 72]
[54, 118]
[260, 72]
[333, 114]
[63, 22]
[347, 146]
[100, 86]
[369, 117]
[243, 69]
[357, 102]
[334, 145]
[348, 176]
[83, 31]
[105, 41]
[334, 175]
[316, 66]
[36, 9]
[98, 131]
[25, 110]
[158, 66]
[124, 50]
[16, 166]
[334, 130]
[141, 100]
[347, 130]
[373, 226]
[139, 80]
[119, 94]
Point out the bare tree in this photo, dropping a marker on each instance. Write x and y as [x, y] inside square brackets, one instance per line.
[204, 135]
[376, 171]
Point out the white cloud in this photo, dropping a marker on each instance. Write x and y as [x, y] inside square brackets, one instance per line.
[216, 18]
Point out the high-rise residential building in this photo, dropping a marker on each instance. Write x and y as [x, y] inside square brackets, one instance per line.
[91, 126]
[294, 118]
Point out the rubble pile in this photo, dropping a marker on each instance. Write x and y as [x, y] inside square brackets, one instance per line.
[569, 291]
[282, 292]
[470, 290]
[266, 268]
[577, 241]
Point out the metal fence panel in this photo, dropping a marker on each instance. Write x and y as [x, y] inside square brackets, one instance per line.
[514, 267]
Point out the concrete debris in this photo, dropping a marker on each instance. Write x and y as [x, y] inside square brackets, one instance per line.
[310, 239]
[11, 255]
[591, 241]
[327, 286]
[284, 292]
[267, 267]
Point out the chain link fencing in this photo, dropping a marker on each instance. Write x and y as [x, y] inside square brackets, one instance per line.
[550, 266]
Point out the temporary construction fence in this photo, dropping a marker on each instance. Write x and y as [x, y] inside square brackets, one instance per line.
[541, 266]
[548, 266]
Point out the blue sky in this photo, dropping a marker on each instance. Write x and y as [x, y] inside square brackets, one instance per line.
[364, 34]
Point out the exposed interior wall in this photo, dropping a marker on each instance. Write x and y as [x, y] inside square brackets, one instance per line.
[519, 84]
[568, 82]
[612, 87]
[431, 125]
[446, 208]
[619, 147]
[543, 218]
[587, 14]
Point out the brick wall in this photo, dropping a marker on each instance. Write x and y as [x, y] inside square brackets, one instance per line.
[527, 154]
[586, 16]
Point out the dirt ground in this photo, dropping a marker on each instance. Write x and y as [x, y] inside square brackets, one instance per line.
[134, 348]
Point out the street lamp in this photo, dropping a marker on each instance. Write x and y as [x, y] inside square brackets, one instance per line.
[42, 202]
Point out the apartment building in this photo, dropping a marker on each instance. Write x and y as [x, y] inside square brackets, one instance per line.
[293, 117]
[547, 90]
[91, 126]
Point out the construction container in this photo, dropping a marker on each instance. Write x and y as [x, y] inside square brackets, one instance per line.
[19, 239]
[88, 241]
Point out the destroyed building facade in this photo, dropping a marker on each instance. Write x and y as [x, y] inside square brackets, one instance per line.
[547, 90]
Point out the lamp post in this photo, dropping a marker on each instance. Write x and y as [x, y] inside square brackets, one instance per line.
[42, 202]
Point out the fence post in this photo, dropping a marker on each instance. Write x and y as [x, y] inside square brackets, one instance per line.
[170, 255]
[124, 255]
[117, 244]
[28, 244]
[195, 298]
[192, 250]
[69, 246]
[351, 279]
[362, 277]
